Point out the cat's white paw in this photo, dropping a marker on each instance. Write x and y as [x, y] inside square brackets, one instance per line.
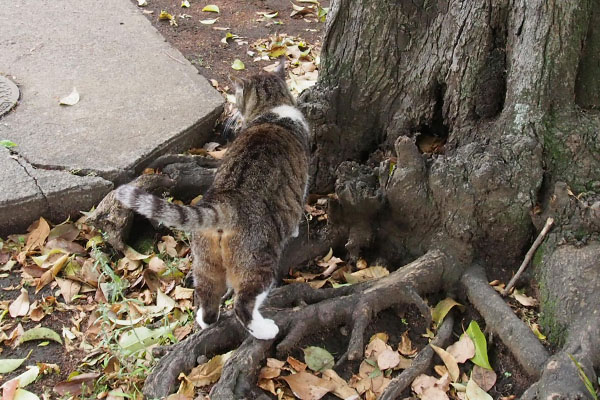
[264, 329]
[199, 319]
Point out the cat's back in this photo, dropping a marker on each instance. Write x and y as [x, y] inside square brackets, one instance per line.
[271, 153]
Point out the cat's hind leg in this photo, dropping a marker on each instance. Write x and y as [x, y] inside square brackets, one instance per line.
[250, 294]
[209, 281]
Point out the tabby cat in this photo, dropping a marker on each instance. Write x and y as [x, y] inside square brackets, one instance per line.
[254, 206]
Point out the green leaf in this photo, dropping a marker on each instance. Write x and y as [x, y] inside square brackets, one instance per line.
[22, 394]
[7, 143]
[480, 358]
[40, 333]
[586, 381]
[211, 8]
[44, 344]
[141, 337]
[441, 310]
[185, 3]
[208, 21]
[10, 364]
[318, 359]
[238, 65]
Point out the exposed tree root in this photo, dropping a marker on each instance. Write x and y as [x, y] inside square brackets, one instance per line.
[420, 363]
[299, 311]
[114, 219]
[499, 317]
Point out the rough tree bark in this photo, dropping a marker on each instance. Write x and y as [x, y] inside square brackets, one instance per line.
[510, 87]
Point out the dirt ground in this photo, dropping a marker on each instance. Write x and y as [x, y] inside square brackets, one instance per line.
[202, 44]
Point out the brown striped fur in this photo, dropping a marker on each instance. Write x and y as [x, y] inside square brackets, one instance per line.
[254, 206]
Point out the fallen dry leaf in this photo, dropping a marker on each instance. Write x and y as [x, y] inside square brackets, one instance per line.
[375, 348]
[449, 361]
[20, 306]
[342, 389]
[269, 373]
[309, 387]
[76, 384]
[209, 372]
[405, 346]
[297, 365]
[388, 359]
[463, 349]
[485, 378]
[524, 299]
[68, 288]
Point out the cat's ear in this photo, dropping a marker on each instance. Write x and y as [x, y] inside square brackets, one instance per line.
[280, 70]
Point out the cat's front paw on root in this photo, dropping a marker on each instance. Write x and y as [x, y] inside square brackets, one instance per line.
[264, 329]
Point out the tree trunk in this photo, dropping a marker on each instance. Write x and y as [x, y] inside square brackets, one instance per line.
[449, 131]
[509, 91]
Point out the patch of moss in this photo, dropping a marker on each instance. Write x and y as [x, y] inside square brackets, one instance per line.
[555, 332]
[538, 256]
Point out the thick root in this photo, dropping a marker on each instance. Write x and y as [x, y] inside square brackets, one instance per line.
[320, 309]
[421, 362]
[501, 320]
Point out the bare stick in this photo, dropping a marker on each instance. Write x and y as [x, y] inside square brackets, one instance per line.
[529, 254]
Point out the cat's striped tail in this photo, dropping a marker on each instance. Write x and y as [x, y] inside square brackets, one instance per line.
[185, 218]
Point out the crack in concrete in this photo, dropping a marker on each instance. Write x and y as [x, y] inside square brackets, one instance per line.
[16, 157]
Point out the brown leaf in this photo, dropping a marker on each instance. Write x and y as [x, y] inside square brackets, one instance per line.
[342, 389]
[36, 312]
[375, 347]
[485, 378]
[269, 373]
[307, 386]
[49, 275]
[405, 346]
[366, 274]
[181, 293]
[524, 299]
[182, 331]
[68, 288]
[39, 232]
[209, 372]
[20, 306]
[76, 384]
[268, 385]
[449, 362]
[275, 363]
[152, 280]
[463, 349]
[422, 382]
[404, 363]
[68, 246]
[217, 154]
[298, 366]
[380, 335]
[434, 393]
[388, 359]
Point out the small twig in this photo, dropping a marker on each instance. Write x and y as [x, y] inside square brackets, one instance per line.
[529, 255]
[170, 56]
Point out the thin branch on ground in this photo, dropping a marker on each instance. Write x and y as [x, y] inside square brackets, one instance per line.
[529, 255]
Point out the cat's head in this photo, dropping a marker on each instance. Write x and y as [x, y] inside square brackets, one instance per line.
[259, 93]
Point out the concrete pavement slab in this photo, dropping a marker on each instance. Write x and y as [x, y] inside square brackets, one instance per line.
[27, 193]
[139, 96]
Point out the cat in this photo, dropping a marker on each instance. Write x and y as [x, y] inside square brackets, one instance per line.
[253, 207]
